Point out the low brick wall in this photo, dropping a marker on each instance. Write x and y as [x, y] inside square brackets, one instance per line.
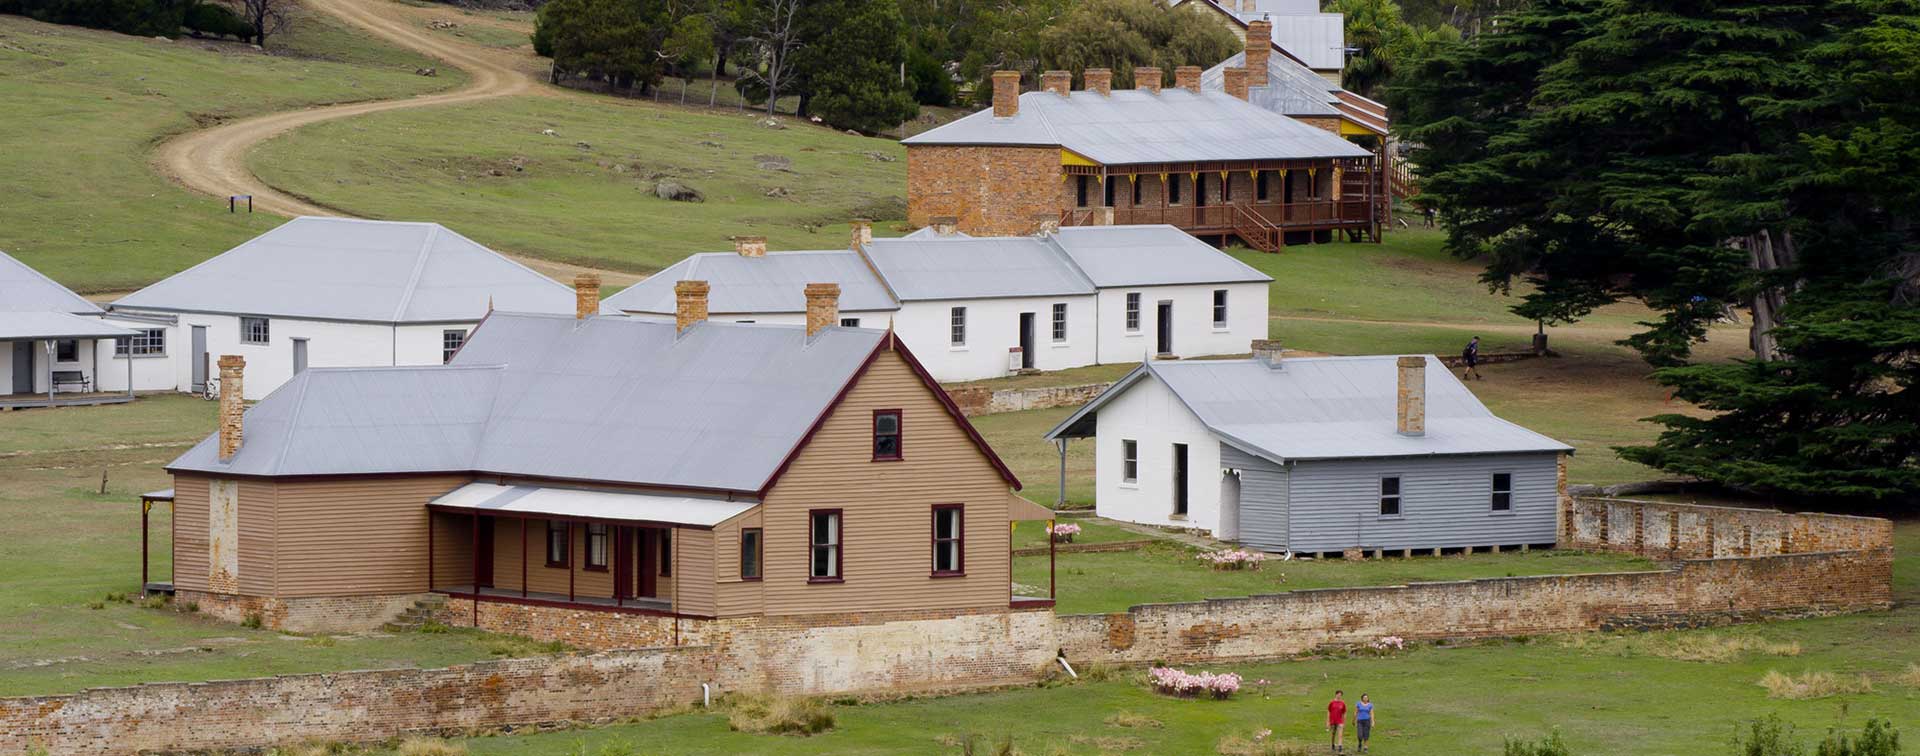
[322, 614]
[974, 400]
[1689, 531]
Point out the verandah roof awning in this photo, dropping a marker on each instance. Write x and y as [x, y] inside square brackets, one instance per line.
[573, 503]
[24, 326]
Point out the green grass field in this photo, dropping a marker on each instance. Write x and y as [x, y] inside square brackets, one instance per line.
[85, 107]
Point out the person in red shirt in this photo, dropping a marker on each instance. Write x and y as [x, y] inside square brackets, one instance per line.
[1337, 721]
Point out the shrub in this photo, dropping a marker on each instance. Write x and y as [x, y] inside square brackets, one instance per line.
[217, 20]
[1063, 533]
[419, 746]
[1909, 677]
[434, 627]
[1179, 682]
[155, 602]
[96, 605]
[779, 715]
[252, 622]
[1813, 685]
[1877, 739]
[1236, 559]
[1552, 745]
[1768, 737]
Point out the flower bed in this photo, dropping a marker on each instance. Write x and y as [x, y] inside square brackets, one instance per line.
[1063, 533]
[1237, 559]
[1179, 682]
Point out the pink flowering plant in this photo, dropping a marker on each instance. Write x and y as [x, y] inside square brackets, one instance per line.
[1236, 559]
[1388, 644]
[1064, 532]
[1184, 684]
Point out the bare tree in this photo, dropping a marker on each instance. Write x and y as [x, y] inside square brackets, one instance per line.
[267, 17]
[775, 40]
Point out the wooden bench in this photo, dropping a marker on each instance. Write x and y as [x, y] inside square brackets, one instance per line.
[71, 378]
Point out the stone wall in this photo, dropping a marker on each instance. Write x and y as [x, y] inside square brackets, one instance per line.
[1689, 531]
[322, 614]
[975, 400]
[993, 191]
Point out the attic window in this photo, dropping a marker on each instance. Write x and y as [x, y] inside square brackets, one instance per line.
[450, 341]
[886, 435]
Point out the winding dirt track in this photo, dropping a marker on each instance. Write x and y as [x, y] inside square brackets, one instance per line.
[213, 161]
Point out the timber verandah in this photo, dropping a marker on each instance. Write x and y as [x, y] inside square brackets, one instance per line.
[1355, 206]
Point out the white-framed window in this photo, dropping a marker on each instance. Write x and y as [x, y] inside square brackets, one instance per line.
[1133, 312]
[824, 564]
[1390, 496]
[1502, 492]
[450, 341]
[958, 321]
[254, 331]
[1059, 321]
[66, 350]
[1219, 308]
[849, 322]
[1129, 461]
[146, 342]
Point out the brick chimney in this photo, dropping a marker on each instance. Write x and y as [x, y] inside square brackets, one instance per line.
[823, 306]
[586, 295]
[750, 246]
[1057, 82]
[944, 225]
[1101, 216]
[1236, 82]
[1006, 94]
[1188, 78]
[1259, 47]
[1099, 80]
[1410, 407]
[862, 232]
[1147, 78]
[690, 304]
[233, 403]
[1267, 352]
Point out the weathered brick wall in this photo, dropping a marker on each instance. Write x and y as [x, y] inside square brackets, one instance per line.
[580, 628]
[323, 614]
[994, 191]
[1690, 531]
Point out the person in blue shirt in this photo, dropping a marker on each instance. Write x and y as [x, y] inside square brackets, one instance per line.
[1363, 720]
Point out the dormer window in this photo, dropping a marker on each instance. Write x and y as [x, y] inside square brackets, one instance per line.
[886, 435]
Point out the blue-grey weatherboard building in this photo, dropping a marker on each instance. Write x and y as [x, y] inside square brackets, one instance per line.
[1322, 454]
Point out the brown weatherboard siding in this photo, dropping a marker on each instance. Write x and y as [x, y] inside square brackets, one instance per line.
[735, 597]
[693, 572]
[353, 536]
[994, 191]
[190, 532]
[886, 507]
[191, 540]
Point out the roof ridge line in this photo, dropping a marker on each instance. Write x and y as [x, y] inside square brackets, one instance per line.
[32, 271]
[1060, 250]
[419, 266]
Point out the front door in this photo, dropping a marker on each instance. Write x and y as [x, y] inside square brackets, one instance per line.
[23, 367]
[1026, 341]
[649, 562]
[299, 356]
[1229, 529]
[483, 553]
[1180, 479]
[1163, 326]
[199, 357]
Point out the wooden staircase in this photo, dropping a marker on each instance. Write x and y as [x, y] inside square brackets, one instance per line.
[1401, 180]
[1258, 232]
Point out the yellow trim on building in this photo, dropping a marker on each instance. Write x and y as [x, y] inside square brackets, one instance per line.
[1069, 157]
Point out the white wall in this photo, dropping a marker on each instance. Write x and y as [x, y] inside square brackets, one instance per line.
[329, 344]
[83, 361]
[1151, 415]
[993, 327]
[1194, 334]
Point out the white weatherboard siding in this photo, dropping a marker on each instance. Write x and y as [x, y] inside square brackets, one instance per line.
[993, 327]
[1151, 415]
[329, 344]
[1194, 334]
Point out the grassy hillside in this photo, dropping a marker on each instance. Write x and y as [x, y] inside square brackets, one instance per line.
[84, 108]
[585, 194]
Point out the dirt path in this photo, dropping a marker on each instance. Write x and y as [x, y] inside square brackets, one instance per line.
[214, 161]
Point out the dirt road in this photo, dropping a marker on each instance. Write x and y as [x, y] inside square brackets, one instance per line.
[214, 161]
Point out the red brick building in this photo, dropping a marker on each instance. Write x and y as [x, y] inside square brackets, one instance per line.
[1208, 162]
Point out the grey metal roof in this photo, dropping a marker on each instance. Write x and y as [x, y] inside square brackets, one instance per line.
[1291, 89]
[1324, 408]
[773, 283]
[1156, 255]
[928, 232]
[609, 399]
[56, 325]
[1133, 126]
[975, 268]
[23, 289]
[357, 270]
[1299, 28]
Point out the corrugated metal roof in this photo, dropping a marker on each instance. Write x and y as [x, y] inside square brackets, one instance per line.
[1318, 39]
[56, 325]
[1133, 126]
[773, 283]
[976, 268]
[1156, 255]
[357, 270]
[23, 289]
[608, 399]
[1326, 408]
[594, 505]
[1291, 89]
[928, 232]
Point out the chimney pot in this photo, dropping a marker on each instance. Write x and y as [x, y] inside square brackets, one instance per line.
[1057, 82]
[945, 225]
[1236, 82]
[1006, 94]
[1099, 80]
[1410, 405]
[690, 304]
[1147, 78]
[233, 403]
[1267, 352]
[862, 232]
[750, 246]
[823, 306]
[1188, 78]
[586, 295]
[1259, 48]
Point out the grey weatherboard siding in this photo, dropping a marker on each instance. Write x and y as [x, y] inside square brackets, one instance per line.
[1445, 502]
[1263, 499]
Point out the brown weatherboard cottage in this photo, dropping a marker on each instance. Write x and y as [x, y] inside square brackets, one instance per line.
[1208, 162]
[654, 471]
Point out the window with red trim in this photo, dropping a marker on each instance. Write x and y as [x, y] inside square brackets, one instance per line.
[949, 540]
[557, 546]
[887, 435]
[596, 547]
[666, 553]
[749, 553]
[825, 557]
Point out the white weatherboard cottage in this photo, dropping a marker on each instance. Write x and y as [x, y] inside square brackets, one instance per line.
[328, 292]
[54, 343]
[1318, 455]
[984, 307]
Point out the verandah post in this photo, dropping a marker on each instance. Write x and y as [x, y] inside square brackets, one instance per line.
[523, 557]
[475, 562]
